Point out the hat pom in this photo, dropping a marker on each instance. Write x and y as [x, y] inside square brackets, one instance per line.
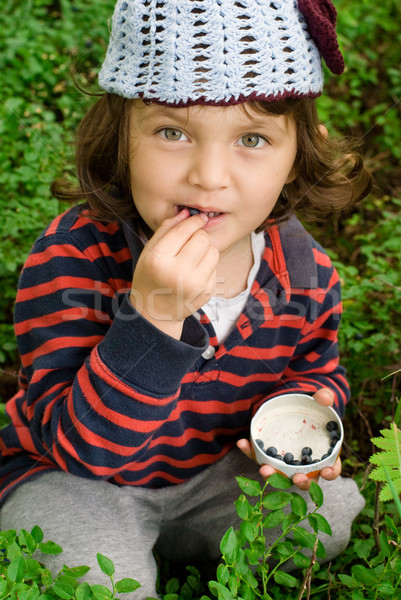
[321, 16]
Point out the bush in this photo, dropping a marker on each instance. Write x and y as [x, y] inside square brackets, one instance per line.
[39, 112]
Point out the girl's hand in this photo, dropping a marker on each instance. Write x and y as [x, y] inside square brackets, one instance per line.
[175, 273]
[325, 397]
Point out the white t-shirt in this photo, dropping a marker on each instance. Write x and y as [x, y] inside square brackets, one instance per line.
[223, 313]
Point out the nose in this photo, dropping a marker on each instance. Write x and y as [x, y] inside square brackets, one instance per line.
[209, 168]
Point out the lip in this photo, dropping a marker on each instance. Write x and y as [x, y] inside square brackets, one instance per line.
[214, 221]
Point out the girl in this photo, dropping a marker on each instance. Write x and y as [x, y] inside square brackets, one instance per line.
[156, 317]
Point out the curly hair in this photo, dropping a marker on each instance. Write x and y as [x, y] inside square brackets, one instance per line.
[330, 173]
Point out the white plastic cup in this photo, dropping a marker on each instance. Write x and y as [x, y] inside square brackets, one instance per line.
[289, 423]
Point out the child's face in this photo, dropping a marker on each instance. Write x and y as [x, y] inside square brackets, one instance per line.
[219, 160]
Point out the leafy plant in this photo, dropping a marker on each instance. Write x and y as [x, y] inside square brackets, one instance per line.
[191, 589]
[252, 568]
[388, 463]
[22, 577]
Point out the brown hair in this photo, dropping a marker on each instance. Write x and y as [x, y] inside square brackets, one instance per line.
[330, 173]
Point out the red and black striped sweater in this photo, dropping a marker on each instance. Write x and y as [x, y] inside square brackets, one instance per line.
[105, 395]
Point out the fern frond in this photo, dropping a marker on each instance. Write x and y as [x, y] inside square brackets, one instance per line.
[388, 462]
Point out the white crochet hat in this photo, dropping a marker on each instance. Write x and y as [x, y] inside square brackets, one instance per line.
[184, 52]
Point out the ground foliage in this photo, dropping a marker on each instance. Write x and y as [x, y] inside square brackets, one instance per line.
[40, 108]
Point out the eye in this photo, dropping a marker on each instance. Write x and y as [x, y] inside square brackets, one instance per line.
[252, 140]
[171, 134]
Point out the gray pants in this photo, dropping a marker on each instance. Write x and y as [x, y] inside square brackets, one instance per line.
[186, 522]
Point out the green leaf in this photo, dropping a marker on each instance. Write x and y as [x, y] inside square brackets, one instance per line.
[173, 585]
[127, 585]
[316, 494]
[273, 518]
[319, 523]
[233, 584]
[250, 579]
[304, 538]
[384, 545]
[364, 575]
[50, 548]
[3, 588]
[250, 530]
[229, 544]
[285, 579]
[31, 593]
[252, 555]
[298, 505]
[76, 571]
[301, 561]
[62, 590]
[101, 592]
[26, 540]
[348, 581]
[276, 500]
[389, 521]
[222, 574]
[106, 564]
[279, 481]
[363, 548]
[288, 521]
[16, 569]
[13, 550]
[83, 591]
[220, 591]
[285, 549]
[357, 595]
[249, 486]
[244, 508]
[385, 589]
[37, 534]
[396, 565]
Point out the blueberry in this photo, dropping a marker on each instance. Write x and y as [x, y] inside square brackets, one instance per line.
[288, 457]
[260, 443]
[306, 459]
[329, 450]
[193, 211]
[331, 426]
[271, 451]
[279, 457]
[296, 463]
[334, 437]
[306, 451]
[325, 456]
[316, 460]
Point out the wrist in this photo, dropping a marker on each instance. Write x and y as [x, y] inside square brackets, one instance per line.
[162, 320]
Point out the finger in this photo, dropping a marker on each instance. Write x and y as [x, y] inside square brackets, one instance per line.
[195, 249]
[246, 448]
[174, 233]
[206, 265]
[331, 473]
[266, 471]
[324, 397]
[302, 481]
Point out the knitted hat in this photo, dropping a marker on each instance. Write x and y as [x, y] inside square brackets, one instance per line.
[184, 52]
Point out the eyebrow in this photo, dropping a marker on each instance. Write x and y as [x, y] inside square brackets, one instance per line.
[167, 111]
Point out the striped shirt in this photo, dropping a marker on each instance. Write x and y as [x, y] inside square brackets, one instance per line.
[105, 395]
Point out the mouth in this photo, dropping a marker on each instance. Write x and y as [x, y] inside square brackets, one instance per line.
[193, 210]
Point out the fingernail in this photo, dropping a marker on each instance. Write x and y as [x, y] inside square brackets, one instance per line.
[204, 217]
